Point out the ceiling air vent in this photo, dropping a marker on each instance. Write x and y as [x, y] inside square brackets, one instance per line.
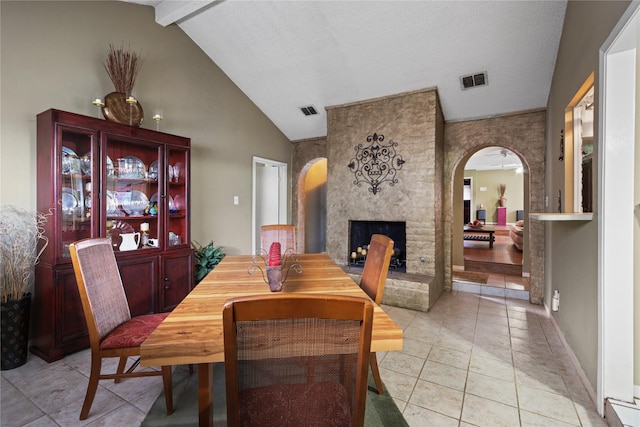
[309, 110]
[474, 80]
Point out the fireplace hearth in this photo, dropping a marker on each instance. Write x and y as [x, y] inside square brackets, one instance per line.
[360, 233]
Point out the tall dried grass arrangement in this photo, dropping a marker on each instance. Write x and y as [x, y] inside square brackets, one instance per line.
[503, 189]
[122, 66]
[22, 241]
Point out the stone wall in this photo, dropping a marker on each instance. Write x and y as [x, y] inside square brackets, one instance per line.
[304, 153]
[414, 121]
[423, 196]
[524, 134]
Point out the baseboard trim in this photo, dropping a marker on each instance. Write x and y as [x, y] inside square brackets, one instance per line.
[573, 358]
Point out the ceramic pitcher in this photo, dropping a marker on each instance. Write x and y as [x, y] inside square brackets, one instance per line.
[130, 241]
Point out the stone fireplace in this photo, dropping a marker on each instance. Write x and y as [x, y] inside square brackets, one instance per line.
[413, 121]
[424, 195]
[360, 233]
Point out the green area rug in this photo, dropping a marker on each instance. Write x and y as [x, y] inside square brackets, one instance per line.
[381, 410]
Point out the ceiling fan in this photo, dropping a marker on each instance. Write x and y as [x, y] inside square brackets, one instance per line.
[497, 152]
[494, 158]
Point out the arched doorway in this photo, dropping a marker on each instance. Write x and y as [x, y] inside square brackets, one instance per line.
[485, 172]
[523, 134]
[312, 206]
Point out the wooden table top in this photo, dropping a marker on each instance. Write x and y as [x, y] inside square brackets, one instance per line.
[192, 333]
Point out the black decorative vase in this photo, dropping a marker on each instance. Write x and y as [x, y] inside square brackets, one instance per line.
[15, 332]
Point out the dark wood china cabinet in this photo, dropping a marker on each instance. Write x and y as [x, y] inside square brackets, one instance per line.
[104, 179]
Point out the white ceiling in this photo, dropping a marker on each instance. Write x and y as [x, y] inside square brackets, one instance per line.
[492, 158]
[288, 54]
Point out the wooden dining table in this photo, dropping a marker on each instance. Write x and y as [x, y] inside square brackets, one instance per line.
[193, 333]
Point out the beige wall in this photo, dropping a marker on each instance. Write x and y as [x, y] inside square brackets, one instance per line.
[572, 247]
[491, 180]
[52, 56]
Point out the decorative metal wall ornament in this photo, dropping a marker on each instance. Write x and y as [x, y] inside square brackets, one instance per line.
[376, 163]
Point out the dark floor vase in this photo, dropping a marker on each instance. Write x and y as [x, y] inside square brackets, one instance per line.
[15, 332]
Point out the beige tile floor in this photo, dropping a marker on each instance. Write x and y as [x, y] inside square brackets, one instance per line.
[473, 360]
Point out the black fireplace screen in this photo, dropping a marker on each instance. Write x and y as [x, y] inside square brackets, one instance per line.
[360, 233]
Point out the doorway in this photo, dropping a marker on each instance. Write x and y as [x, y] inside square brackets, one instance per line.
[312, 206]
[270, 197]
[619, 303]
[466, 200]
[486, 173]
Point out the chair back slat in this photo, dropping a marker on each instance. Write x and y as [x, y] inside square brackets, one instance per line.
[376, 267]
[292, 343]
[101, 291]
[285, 234]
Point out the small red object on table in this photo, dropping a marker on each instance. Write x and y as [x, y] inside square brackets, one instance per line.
[274, 255]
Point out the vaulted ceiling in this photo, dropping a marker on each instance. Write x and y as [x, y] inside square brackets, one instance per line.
[285, 55]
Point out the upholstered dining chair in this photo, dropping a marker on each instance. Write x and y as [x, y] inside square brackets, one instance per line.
[374, 278]
[112, 330]
[283, 233]
[297, 359]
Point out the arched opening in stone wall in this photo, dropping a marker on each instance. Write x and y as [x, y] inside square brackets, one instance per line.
[312, 207]
[524, 134]
[494, 197]
[457, 219]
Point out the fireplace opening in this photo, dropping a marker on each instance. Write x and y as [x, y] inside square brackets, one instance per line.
[360, 233]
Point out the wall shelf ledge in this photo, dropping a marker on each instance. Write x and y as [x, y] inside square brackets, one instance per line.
[562, 216]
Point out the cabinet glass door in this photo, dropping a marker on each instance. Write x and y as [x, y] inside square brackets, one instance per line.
[132, 192]
[177, 197]
[74, 191]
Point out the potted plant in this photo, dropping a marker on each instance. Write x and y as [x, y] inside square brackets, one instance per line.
[207, 257]
[22, 241]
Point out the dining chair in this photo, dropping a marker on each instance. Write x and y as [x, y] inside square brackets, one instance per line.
[297, 359]
[283, 233]
[112, 330]
[374, 278]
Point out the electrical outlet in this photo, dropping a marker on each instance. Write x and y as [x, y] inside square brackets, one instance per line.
[236, 200]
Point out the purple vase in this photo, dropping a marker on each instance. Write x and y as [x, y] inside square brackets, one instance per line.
[274, 276]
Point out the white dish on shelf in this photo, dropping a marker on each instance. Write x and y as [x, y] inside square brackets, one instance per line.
[131, 167]
[70, 161]
[153, 170]
[69, 199]
[112, 204]
[134, 202]
[85, 164]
